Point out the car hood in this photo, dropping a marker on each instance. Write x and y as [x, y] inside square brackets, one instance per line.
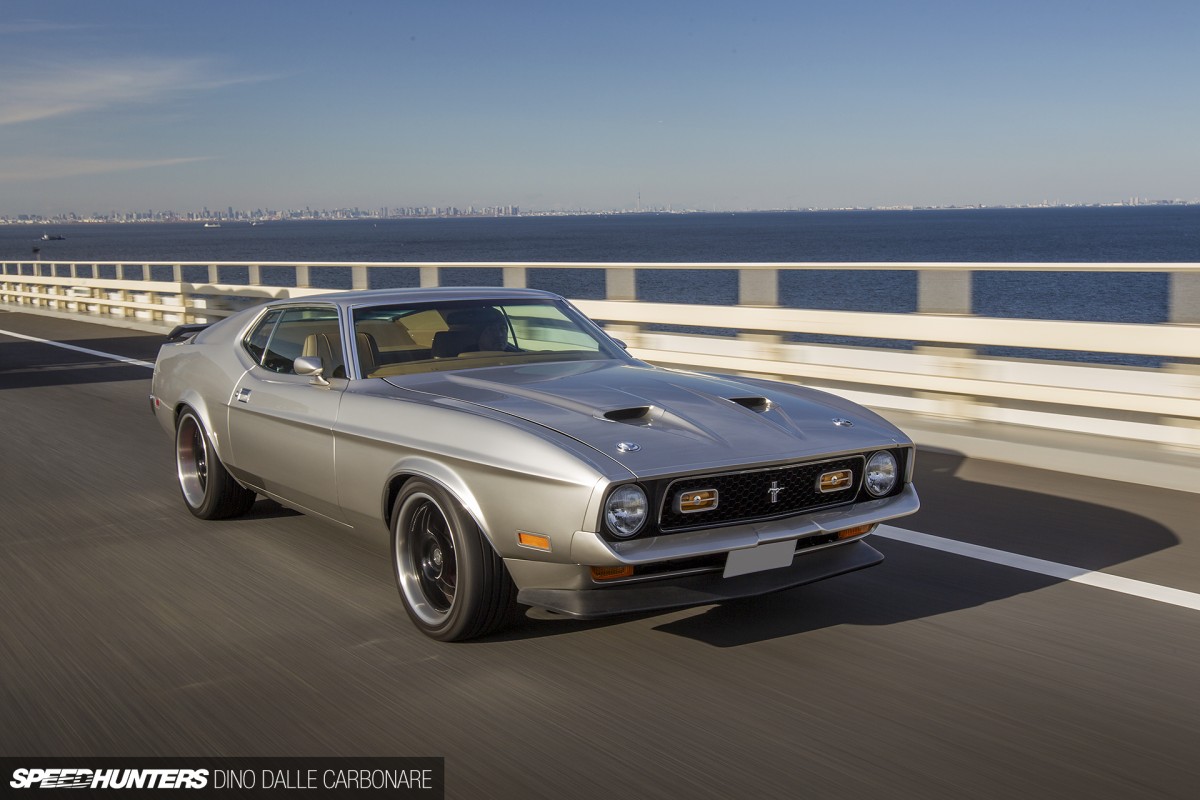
[676, 421]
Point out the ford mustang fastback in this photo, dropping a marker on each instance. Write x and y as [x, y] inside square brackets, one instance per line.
[516, 455]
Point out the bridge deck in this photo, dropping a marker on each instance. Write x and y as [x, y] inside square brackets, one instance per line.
[132, 628]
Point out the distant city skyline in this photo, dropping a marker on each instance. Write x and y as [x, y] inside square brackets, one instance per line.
[230, 214]
[604, 107]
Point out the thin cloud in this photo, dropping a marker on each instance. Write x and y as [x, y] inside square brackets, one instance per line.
[41, 169]
[27, 26]
[56, 91]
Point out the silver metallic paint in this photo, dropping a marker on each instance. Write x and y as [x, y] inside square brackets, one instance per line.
[519, 447]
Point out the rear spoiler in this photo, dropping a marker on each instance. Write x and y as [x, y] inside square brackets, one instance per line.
[182, 332]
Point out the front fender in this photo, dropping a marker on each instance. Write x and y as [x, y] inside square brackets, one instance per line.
[418, 466]
[509, 475]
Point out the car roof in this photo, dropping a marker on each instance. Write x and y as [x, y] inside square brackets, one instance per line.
[382, 297]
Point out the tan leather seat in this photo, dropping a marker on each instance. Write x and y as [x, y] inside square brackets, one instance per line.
[329, 349]
[368, 353]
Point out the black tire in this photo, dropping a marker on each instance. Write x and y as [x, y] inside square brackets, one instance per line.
[209, 491]
[453, 584]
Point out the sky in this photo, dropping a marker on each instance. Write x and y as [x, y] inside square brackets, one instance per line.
[565, 105]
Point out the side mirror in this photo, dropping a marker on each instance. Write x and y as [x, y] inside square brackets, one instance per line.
[618, 341]
[311, 365]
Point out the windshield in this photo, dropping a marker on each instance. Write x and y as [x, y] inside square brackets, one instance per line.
[433, 337]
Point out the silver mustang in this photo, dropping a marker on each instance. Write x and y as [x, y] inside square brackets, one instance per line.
[517, 455]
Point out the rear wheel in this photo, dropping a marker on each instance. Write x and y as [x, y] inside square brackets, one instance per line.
[453, 584]
[209, 491]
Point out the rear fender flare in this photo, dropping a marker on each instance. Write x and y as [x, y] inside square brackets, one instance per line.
[216, 432]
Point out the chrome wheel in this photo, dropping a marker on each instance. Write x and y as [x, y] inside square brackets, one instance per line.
[427, 563]
[453, 584]
[191, 460]
[209, 491]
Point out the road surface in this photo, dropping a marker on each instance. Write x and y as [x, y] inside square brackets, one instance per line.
[127, 627]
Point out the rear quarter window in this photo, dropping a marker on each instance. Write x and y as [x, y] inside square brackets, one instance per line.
[256, 340]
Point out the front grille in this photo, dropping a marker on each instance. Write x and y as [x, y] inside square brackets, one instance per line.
[759, 494]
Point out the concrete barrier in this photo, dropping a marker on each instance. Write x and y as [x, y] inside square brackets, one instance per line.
[942, 380]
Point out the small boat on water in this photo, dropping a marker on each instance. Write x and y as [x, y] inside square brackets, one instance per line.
[212, 224]
[52, 237]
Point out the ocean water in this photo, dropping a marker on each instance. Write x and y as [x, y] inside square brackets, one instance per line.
[1133, 234]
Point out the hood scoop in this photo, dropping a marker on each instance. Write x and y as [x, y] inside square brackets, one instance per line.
[634, 415]
[757, 404]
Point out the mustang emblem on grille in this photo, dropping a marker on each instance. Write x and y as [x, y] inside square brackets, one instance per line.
[775, 490]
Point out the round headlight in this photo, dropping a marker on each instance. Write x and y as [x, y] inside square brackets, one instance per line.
[882, 473]
[625, 510]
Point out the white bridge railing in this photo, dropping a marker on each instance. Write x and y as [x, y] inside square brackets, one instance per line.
[942, 376]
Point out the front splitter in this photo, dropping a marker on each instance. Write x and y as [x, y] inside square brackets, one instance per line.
[702, 589]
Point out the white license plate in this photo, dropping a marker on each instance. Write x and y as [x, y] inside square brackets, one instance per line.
[757, 559]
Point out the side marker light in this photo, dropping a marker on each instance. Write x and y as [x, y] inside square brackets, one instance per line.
[533, 540]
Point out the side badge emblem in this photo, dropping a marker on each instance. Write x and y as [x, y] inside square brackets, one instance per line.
[628, 447]
[842, 422]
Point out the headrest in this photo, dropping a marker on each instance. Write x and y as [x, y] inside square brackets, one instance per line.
[447, 344]
[477, 317]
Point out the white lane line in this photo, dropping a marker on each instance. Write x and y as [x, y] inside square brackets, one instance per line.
[135, 362]
[1102, 580]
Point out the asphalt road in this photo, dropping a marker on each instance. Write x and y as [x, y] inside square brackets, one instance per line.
[127, 627]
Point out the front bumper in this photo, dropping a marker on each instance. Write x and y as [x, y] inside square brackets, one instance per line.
[593, 550]
[704, 588]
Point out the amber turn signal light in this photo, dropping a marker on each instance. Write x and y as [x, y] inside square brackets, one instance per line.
[857, 530]
[534, 540]
[611, 573]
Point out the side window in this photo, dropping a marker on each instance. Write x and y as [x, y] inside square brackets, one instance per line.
[306, 331]
[256, 340]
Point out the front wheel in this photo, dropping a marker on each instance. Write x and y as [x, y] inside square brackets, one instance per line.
[453, 584]
[209, 491]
